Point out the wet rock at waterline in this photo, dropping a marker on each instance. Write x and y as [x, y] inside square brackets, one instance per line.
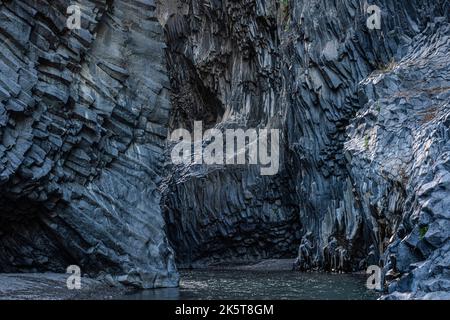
[85, 171]
[53, 286]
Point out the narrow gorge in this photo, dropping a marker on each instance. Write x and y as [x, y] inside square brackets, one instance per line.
[85, 119]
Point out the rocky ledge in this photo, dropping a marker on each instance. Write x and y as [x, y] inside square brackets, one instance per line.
[83, 118]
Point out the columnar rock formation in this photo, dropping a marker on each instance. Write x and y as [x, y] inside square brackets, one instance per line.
[365, 133]
[83, 118]
[364, 178]
[225, 67]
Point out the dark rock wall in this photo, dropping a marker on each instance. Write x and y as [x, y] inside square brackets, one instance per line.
[355, 151]
[328, 51]
[398, 154]
[230, 51]
[85, 176]
[361, 176]
[83, 118]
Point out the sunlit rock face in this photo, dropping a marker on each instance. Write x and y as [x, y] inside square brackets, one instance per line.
[365, 134]
[83, 117]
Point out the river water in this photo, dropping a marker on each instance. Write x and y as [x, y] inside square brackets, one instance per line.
[277, 285]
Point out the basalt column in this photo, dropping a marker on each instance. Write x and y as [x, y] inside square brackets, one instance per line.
[83, 118]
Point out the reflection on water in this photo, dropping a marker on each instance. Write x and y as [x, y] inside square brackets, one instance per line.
[207, 284]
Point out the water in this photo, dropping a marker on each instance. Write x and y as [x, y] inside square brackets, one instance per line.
[277, 285]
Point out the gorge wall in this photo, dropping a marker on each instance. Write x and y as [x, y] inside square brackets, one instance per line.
[83, 118]
[364, 120]
[364, 177]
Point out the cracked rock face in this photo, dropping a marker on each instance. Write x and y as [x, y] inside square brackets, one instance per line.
[224, 67]
[83, 117]
[402, 167]
[85, 172]
[364, 120]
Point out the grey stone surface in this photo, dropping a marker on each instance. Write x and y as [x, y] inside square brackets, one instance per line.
[85, 175]
[81, 144]
[364, 116]
[53, 286]
[405, 122]
[224, 66]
